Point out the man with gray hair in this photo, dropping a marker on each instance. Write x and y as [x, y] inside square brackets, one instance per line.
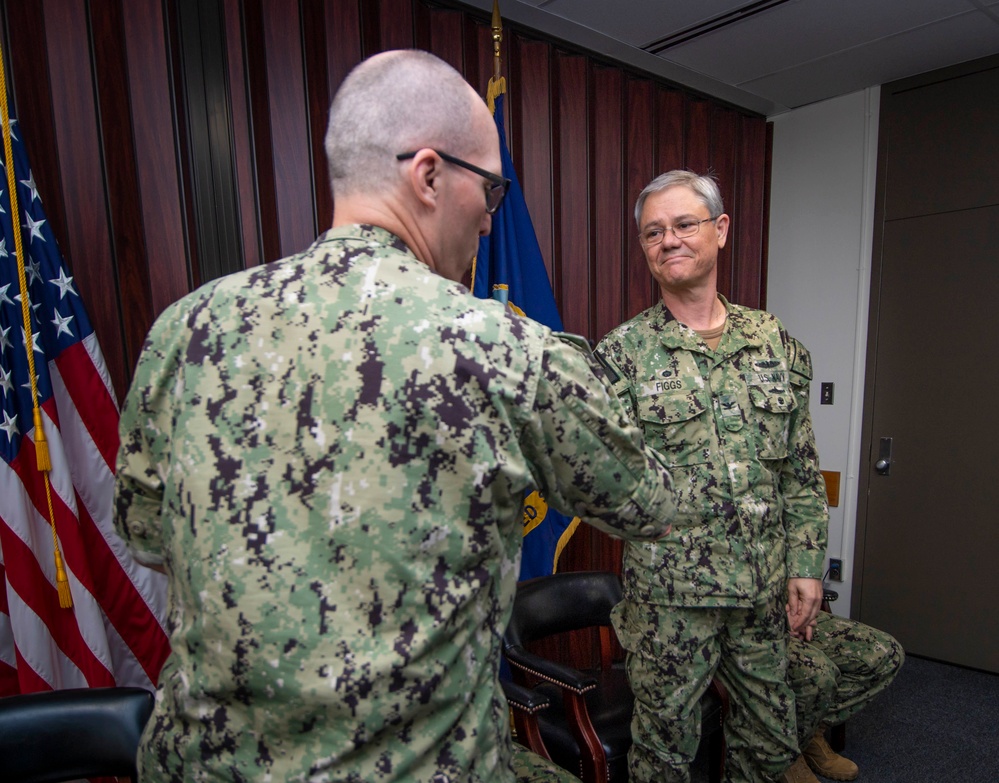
[328, 454]
[721, 391]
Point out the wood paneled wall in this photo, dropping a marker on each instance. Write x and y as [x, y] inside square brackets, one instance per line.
[145, 185]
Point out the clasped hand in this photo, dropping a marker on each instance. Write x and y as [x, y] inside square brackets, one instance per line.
[804, 599]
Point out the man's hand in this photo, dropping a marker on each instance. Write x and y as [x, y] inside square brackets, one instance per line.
[804, 598]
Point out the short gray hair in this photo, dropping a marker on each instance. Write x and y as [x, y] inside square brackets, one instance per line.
[392, 103]
[703, 185]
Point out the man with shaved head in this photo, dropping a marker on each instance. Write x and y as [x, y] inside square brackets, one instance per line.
[328, 454]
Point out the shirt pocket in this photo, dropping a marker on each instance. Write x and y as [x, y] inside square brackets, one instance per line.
[676, 425]
[773, 404]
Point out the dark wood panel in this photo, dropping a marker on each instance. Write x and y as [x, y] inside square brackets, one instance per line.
[242, 143]
[293, 181]
[765, 220]
[185, 154]
[87, 248]
[572, 244]
[750, 200]
[697, 136]
[724, 154]
[206, 103]
[724, 151]
[530, 98]
[161, 197]
[30, 100]
[344, 41]
[254, 44]
[422, 33]
[318, 96]
[644, 121]
[607, 112]
[395, 24]
[444, 30]
[671, 132]
[128, 237]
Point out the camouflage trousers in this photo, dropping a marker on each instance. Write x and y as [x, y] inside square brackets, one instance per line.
[836, 674]
[529, 767]
[673, 652]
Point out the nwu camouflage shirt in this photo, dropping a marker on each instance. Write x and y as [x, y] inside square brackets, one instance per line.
[328, 455]
[734, 428]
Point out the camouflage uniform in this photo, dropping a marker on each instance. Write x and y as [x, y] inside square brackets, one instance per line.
[531, 768]
[328, 455]
[734, 428]
[837, 674]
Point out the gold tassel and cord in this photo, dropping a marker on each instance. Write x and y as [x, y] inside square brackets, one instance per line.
[42, 458]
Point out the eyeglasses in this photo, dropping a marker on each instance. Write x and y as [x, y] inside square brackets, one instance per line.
[495, 193]
[685, 228]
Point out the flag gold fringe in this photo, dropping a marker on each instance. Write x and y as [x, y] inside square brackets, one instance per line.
[496, 88]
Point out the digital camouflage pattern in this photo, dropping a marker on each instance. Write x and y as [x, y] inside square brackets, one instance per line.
[531, 768]
[328, 454]
[734, 428]
[839, 672]
[672, 654]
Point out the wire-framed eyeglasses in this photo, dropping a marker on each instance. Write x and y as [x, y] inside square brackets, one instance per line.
[685, 228]
[495, 193]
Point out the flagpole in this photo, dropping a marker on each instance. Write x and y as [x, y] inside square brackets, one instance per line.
[497, 84]
[497, 39]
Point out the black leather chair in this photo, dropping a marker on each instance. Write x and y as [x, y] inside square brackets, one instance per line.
[587, 729]
[71, 734]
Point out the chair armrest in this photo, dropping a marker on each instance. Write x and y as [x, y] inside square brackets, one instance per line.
[574, 686]
[524, 706]
[524, 699]
[563, 676]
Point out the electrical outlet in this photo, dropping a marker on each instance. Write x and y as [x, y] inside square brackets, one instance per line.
[826, 394]
[835, 569]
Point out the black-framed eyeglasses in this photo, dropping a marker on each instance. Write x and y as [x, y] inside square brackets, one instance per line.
[685, 228]
[494, 194]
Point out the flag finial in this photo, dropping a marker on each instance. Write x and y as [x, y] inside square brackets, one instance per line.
[497, 84]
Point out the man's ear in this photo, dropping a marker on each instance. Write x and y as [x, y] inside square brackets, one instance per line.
[721, 225]
[424, 177]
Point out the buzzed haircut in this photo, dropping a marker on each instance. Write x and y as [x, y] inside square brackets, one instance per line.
[703, 185]
[395, 102]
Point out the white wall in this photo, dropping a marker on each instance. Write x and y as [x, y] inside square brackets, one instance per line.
[821, 217]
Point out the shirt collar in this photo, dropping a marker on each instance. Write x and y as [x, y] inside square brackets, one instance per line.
[368, 234]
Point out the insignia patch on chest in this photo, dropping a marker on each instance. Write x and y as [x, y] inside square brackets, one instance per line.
[767, 371]
[662, 381]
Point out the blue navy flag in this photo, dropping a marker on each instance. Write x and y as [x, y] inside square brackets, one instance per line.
[509, 267]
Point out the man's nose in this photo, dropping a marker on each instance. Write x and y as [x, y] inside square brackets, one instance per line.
[486, 225]
[670, 239]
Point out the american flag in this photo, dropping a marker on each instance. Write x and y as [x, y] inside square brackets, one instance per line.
[113, 632]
